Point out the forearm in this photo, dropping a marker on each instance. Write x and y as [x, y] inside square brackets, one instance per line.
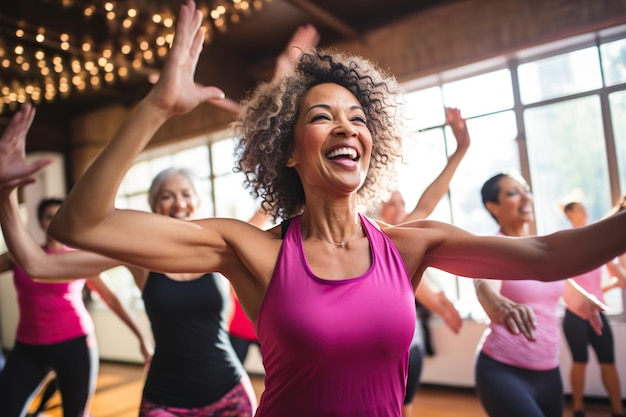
[437, 189]
[491, 300]
[105, 174]
[114, 304]
[429, 297]
[23, 248]
[575, 251]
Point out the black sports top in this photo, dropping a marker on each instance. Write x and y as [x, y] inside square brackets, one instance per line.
[194, 363]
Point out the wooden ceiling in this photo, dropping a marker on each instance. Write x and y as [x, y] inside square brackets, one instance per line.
[234, 59]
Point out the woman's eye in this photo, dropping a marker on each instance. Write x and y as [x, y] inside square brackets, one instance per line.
[320, 116]
[360, 119]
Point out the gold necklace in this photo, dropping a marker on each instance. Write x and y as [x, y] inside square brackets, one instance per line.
[339, 244]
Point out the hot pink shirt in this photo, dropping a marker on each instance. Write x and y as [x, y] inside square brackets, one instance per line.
[336, 348]
[50, 312]
[516, 350]
[240, 324]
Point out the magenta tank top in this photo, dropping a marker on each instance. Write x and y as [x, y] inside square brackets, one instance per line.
[336, 348]
[50, 312]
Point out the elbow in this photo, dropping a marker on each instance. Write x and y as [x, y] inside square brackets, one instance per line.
[37, 271]
[62, 229]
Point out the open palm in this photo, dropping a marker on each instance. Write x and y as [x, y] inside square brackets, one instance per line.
[14, 171]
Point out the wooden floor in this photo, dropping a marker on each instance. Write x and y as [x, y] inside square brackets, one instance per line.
[119, 392]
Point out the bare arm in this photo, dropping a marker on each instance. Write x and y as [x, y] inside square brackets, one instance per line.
[110, 299]
[90, 220]
[559, 255]
[436, 301]
[516, 318]
[618, 276]
[436, 190]
[34, 260]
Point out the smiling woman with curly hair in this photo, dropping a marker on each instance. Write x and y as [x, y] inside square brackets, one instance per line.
[266, 125]
[330, 291]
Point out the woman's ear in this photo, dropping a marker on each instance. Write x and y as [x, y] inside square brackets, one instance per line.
[291, 161]
[492, 208]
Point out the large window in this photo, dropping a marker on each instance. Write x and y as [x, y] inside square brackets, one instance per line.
[554, 115]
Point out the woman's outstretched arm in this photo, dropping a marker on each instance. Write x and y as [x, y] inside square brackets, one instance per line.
[38, 264]
[88, 218]
[556, 256]
[436, 190]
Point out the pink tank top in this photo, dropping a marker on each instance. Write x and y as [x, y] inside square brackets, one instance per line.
[516, 350]
[50, 312]
[591, 282]
[336, 348]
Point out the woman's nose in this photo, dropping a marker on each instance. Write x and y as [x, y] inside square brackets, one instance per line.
[345, 128]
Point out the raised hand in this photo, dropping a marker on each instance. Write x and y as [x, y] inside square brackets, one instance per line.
[459, 127]
[304, 38]
[175, 92]
[14, 171]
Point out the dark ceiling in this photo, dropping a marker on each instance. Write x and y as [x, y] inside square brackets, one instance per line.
[234, 59]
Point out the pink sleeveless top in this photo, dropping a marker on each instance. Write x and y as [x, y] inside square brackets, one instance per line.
[336, 348]
[516, 350]
[50, 312]
[591, 282]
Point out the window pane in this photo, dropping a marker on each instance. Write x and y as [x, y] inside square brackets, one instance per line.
[137, 179]
[222, 155]
[486, 93]
[560, 75]
[195, 159]
[425, 108]
[567, 152]
[618, 115]
[493, 150]
[232, 200]
[614, 62]
[424, 158]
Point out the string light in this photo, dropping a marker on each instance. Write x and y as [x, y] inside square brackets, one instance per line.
[44, 63]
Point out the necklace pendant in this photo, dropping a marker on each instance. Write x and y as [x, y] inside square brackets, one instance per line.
[342, 244]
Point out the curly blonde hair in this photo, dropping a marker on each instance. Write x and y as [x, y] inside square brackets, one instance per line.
[265, 129]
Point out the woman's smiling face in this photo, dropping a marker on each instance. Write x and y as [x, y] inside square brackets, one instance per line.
[515, 203]
[332, 145]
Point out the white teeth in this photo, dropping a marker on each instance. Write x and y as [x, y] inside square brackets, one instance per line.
[347, 152]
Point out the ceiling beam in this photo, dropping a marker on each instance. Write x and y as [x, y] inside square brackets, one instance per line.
[325, 17]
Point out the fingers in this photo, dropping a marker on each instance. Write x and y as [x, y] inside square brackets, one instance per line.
[454, 322]
[20, 123]
[36, 166]
[596, 323]
[305, 37]
[520, 318]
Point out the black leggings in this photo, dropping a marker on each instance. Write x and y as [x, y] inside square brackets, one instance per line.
[579, 334]
[74, 362]
[509, 391]
[416, 358]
